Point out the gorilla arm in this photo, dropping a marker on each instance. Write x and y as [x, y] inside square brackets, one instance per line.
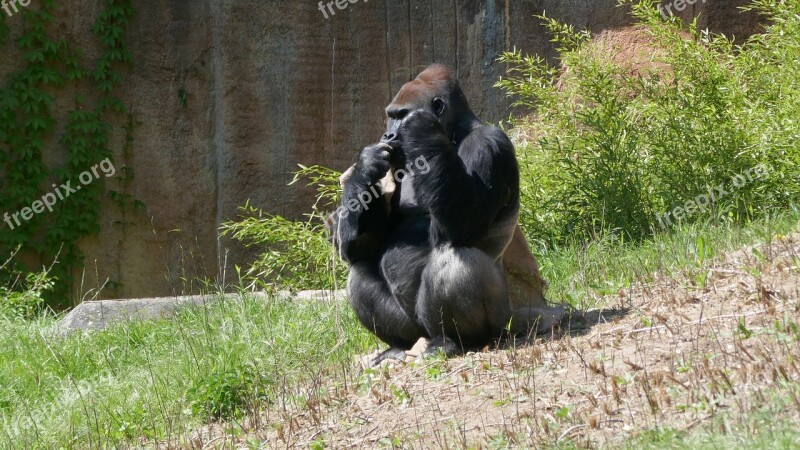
[525, 283]
[364, 219]
[467, 192]
[474, 193]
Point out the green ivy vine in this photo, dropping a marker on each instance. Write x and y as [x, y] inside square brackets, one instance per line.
[27, 122]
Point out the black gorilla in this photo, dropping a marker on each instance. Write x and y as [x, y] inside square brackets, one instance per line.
[425, 261]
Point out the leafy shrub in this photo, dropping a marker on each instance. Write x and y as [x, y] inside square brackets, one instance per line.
[297, 254]
[227, 394]
[614, 149]
[23, 296]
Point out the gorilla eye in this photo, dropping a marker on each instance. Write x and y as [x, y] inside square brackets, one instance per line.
[438, 106]
[397, 114]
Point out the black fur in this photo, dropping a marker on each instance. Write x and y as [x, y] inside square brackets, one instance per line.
[428, 264]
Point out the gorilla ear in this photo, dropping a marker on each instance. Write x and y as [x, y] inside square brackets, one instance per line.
[438, 106]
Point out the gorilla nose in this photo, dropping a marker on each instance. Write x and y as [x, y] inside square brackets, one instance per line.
[388, 137]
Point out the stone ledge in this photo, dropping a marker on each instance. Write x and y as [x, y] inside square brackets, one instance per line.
[100, 314]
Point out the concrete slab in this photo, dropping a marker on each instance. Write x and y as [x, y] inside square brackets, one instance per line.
[99, 315]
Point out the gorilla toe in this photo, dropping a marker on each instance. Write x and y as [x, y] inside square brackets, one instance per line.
[444, 344]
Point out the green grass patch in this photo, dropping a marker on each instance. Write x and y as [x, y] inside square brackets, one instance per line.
[157, 380]
[768, 425]
[580, 271]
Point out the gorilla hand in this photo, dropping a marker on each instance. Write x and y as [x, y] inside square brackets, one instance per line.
[374, 162]
[421, 134]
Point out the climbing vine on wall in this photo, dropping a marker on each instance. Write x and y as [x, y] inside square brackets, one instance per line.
[47, 67]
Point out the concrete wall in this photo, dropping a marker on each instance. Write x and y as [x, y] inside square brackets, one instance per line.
[271, 84]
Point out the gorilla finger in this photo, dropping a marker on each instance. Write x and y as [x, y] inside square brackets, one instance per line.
[395, 144]
[392, 353]
[377, 148]
[376, 169]
[383, 167]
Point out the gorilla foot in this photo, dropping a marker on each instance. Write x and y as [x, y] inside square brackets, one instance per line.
[391, 353]
[444, 344]
[548, 318]
[541, 320]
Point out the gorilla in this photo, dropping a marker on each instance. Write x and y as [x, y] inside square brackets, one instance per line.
[426, 220]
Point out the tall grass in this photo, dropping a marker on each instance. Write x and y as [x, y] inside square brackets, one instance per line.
[581, 272]
[22, 294]
[156, 381]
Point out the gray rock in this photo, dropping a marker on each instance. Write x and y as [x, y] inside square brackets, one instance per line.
[321, 295]
[100, 314]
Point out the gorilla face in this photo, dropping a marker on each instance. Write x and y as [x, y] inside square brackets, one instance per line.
[435, 91]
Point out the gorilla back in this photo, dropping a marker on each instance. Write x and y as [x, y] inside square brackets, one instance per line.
[425, 260]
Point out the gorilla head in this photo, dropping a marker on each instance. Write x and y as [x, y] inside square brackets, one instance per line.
[436, 91]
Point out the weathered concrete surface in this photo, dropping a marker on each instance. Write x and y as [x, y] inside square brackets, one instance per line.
[270, 84]
[100, 314]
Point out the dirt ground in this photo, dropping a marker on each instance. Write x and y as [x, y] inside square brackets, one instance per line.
[675, 352]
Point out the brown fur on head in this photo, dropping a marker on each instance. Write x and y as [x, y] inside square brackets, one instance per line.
[435, 78]
[436, 91]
